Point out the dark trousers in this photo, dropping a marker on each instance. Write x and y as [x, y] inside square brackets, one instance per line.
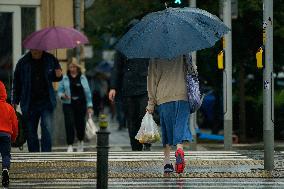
[74, 116]
[5, 149]
[135, 109]
[44, 113]
[97, 103]
[120, 115]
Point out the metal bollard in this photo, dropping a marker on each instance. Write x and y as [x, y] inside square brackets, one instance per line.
[102, 153]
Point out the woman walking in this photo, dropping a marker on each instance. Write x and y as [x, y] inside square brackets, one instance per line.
[75, 94]
[167, 89]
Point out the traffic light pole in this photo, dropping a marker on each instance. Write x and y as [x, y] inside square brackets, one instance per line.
[77, 5]
[227, 77]
[268, 87]
[193, 117]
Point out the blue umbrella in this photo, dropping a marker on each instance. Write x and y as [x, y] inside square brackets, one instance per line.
[172, 32]
[104, 67]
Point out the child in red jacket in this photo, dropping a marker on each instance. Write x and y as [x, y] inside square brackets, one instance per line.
[8, 133]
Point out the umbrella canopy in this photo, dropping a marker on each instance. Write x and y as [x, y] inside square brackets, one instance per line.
[172, 32]
[104, 67]
[55, 38]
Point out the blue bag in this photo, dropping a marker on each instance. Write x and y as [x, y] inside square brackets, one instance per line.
[192, 84]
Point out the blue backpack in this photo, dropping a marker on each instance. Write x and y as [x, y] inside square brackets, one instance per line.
[192, 84]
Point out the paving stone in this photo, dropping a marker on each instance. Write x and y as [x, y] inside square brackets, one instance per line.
[59, 170]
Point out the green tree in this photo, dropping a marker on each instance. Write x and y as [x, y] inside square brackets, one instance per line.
[247, 38]
[110, 18]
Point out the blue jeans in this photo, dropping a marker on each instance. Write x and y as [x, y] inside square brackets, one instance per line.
[174, 121]
[45, 113]
[5, 149]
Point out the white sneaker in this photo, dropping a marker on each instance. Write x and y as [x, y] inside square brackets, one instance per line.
[80, 146]
[70, 148]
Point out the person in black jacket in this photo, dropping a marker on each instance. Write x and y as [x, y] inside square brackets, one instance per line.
[129, 80]
[33, 90]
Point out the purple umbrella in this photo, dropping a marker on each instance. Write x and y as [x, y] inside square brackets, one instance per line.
[55, 38]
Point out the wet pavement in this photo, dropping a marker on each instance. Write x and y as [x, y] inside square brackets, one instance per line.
[209, 167]
[204, 169]
[167, 183]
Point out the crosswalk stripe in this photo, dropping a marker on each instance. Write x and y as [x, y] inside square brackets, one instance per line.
[118, 160]
[161, 183]
[87, 154]
[127, 156]
[133, 152]
[126, 168]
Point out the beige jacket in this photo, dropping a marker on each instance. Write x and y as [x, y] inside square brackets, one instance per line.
[166, 81]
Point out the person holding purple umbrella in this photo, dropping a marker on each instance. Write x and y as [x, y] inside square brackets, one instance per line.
[32, 88]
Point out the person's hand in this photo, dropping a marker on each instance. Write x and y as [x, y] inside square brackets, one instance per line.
[65, 96]
[111, 95]
[150, 111]
[90, 111]
[58, 72]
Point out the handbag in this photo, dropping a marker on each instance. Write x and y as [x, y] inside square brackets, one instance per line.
[91, 128]
[22, 132]
[192, 84]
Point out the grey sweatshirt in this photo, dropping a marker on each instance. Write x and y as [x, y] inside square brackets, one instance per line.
[166, 81]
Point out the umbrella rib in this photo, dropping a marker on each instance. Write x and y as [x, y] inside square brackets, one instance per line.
[168, 45]
[207, 14]
[57, 36]
[161, 23]
[190, 24]
[49, 31]
[135, 34]
[40, 41]
[206, 39]
[168, 30]
[45, 36]
[202, 12]
[54, 38]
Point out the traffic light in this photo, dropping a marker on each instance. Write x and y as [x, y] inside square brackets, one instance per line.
[176, 3]
[259, 58]
[220, 60]
[180, 3]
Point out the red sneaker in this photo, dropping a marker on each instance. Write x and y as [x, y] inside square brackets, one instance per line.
[180, 164]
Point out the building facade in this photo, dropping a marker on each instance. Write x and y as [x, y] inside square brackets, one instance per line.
[19, 18]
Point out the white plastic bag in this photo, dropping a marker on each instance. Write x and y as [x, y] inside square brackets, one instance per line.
[91, 128]
[148, 132]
